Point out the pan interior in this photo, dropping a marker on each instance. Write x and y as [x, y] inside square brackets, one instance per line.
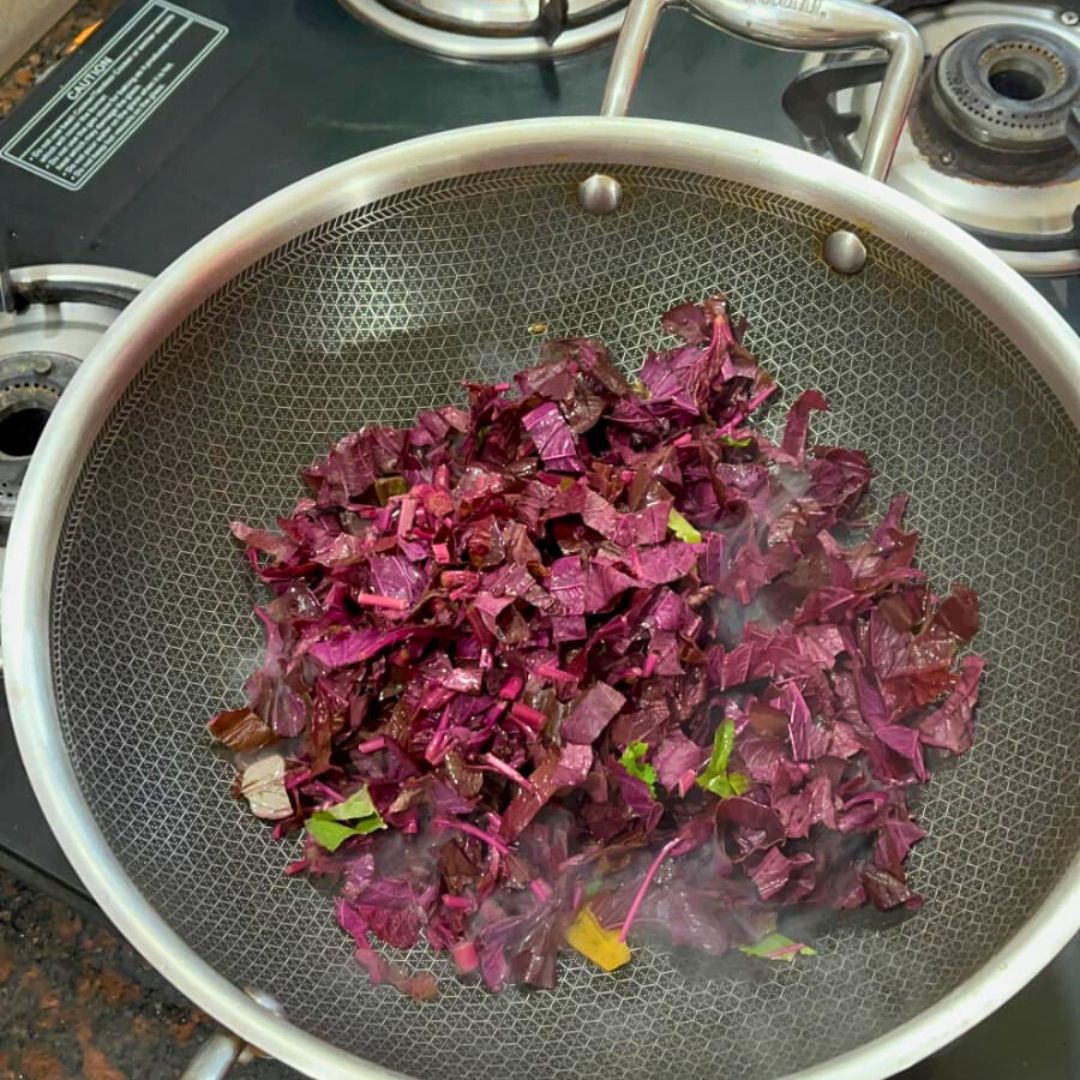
[382, 312]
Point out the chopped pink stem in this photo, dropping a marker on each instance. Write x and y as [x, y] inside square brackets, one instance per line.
[760, 397]
[434, 748]
[509, 772]
[451, 578]
[650, 665]
[472, 830]
[510, 689]
[683, 440]
[835, 604]
[528, 715]
[372, 745]
[462, 903]
[787, 950]
[541, 889]
[554, 674]
[407, 516]
[686, 782]
[754, 402]
[643, 888]
[297, 779]
[465, 958]
[441, 552]
[390, 603]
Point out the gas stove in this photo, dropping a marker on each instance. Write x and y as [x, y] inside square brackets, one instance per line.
[993, 137]
[176, 116]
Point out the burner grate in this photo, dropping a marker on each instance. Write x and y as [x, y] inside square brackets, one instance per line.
[495, 29]
[992, 139]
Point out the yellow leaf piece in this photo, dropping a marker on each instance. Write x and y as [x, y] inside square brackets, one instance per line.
[682, 528]
[601, 946]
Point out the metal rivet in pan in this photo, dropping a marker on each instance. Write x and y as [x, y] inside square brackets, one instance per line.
[845, 252]
[600, 194]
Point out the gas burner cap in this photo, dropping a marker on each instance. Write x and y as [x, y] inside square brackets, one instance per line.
[60, 313]
[987, 144]
[1008, 88]
[494, 29]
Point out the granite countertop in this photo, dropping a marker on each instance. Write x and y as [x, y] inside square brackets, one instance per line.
[76, 27]
[76, 1001]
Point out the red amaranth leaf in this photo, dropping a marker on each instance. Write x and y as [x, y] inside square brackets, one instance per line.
[588, 641]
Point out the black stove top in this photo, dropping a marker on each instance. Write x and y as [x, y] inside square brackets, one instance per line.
[220, 103]
[292, 88]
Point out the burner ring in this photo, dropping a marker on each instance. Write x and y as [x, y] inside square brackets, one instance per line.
[1008, 88]
[60, 313]
[1023, 71]
[30, 386]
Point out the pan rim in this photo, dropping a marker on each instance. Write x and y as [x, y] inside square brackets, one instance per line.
[1027, 320]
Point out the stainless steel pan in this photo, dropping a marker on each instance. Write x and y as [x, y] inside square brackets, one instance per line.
[370, 290]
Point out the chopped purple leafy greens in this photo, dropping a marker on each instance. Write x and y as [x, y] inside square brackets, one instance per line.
[591, 660]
